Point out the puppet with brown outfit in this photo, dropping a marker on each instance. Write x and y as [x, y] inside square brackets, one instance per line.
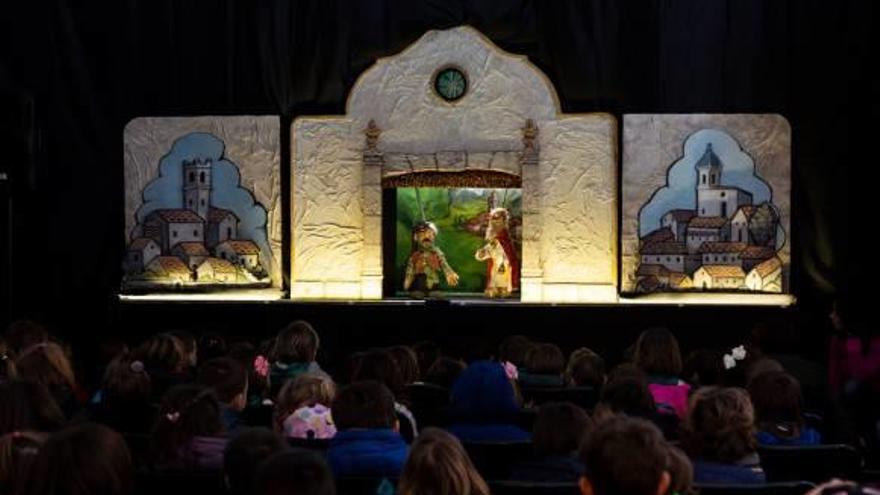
[502, 269]
[426, 262]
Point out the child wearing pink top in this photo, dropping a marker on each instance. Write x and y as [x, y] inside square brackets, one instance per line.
[658, 355]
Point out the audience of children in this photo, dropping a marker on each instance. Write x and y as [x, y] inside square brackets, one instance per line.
[202, 423]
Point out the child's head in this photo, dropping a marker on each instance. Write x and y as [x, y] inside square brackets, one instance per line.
[657, 352]
[612, 467]
[295, 472]
[760, 366]
[379, 365]
[28, 406]
[364, 405]
[186, 412]
[81, 460]
[483, 392]
[407, 362]
[720, 425]
[438, 465]
[778, 403]
[681, 472]
[162, 353]
[514, 349]
[427, 353]
[229, 380]
[297, 343]
[444, 372]
[245, 453]
[126, 381]
[545, 359]
[704, 367]
[306, 390]
[560, 429]
[21, 334]
[585, 369]
[626, 392]
[46, 363]
[190, 347]
[18, 450]
[211, 345]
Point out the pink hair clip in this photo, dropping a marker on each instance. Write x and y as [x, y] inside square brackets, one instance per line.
[173, 416]
[261, 366]
[510, 370]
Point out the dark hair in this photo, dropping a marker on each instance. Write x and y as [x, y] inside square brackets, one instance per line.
[162, 352]
[7, 362]
[367, 404]
[297, 343]
[704, 367]
[585, 369]
[760, 366]
[126, 380]
[245, 453]
[560, 428]
[82, 460]
[28, 406]
[439, 465]
[295, 472]
[48, 364]
[514, 349]
[188, 344]
[657, 352]
[21, 334]
[187, 411]
[427, 353]
[612, 465]
[407, 363]
[545, 359]
[626, 392]
[778, 403]
[444, 371]
[681, 472]
[211, 345]
[226, 376]
[379, 365]
[720, 425]
[18, 450]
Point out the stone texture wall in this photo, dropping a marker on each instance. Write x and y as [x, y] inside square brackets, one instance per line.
[569, 247]
[251, 142]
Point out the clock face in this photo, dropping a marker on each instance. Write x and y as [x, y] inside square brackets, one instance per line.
[450, 83]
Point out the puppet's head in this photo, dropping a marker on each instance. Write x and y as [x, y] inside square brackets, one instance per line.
[498, 222]
[424, 234]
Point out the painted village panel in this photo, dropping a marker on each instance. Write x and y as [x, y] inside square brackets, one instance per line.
[712, 223]
[197, 226]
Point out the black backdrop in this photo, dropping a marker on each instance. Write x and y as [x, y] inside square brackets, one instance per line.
[73, 73]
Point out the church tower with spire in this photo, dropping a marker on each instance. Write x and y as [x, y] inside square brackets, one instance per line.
[197, 186]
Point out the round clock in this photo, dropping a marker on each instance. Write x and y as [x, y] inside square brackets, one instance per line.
[450, 83]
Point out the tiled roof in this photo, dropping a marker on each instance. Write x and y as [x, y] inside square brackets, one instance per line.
[217, 215]
[218, 265]
[681, 215]
[757, 253]
[140, 243]
[242, 247]
[660, 235]
[680, 280]
[191, 248]
[649, 284]
[723, 271]
[768, 267]
[652, 270]
[722, 247]
[748, 211]
[663, 248]
[178, 216]
[170, 265]
[707, 223]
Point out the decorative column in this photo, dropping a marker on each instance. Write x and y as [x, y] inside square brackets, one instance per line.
[531, 274]
[374, 160]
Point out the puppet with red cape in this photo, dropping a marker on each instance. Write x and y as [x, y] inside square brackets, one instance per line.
[502, 263]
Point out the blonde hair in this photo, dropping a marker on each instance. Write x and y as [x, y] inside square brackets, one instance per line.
[438, 465]
[46, 363]
[306, 389]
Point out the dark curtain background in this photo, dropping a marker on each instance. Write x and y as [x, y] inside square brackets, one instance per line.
[72, 73]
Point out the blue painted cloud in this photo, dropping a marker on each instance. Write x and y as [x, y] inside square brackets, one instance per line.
[680, 189]
[166, 191]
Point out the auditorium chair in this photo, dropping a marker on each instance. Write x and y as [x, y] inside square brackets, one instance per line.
[815, 463]
[428, 402]
[357, 485]
[494, 459]
[532, 488]
[786, 488]
[585, 397]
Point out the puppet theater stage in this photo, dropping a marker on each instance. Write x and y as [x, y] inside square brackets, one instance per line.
[455, 109]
